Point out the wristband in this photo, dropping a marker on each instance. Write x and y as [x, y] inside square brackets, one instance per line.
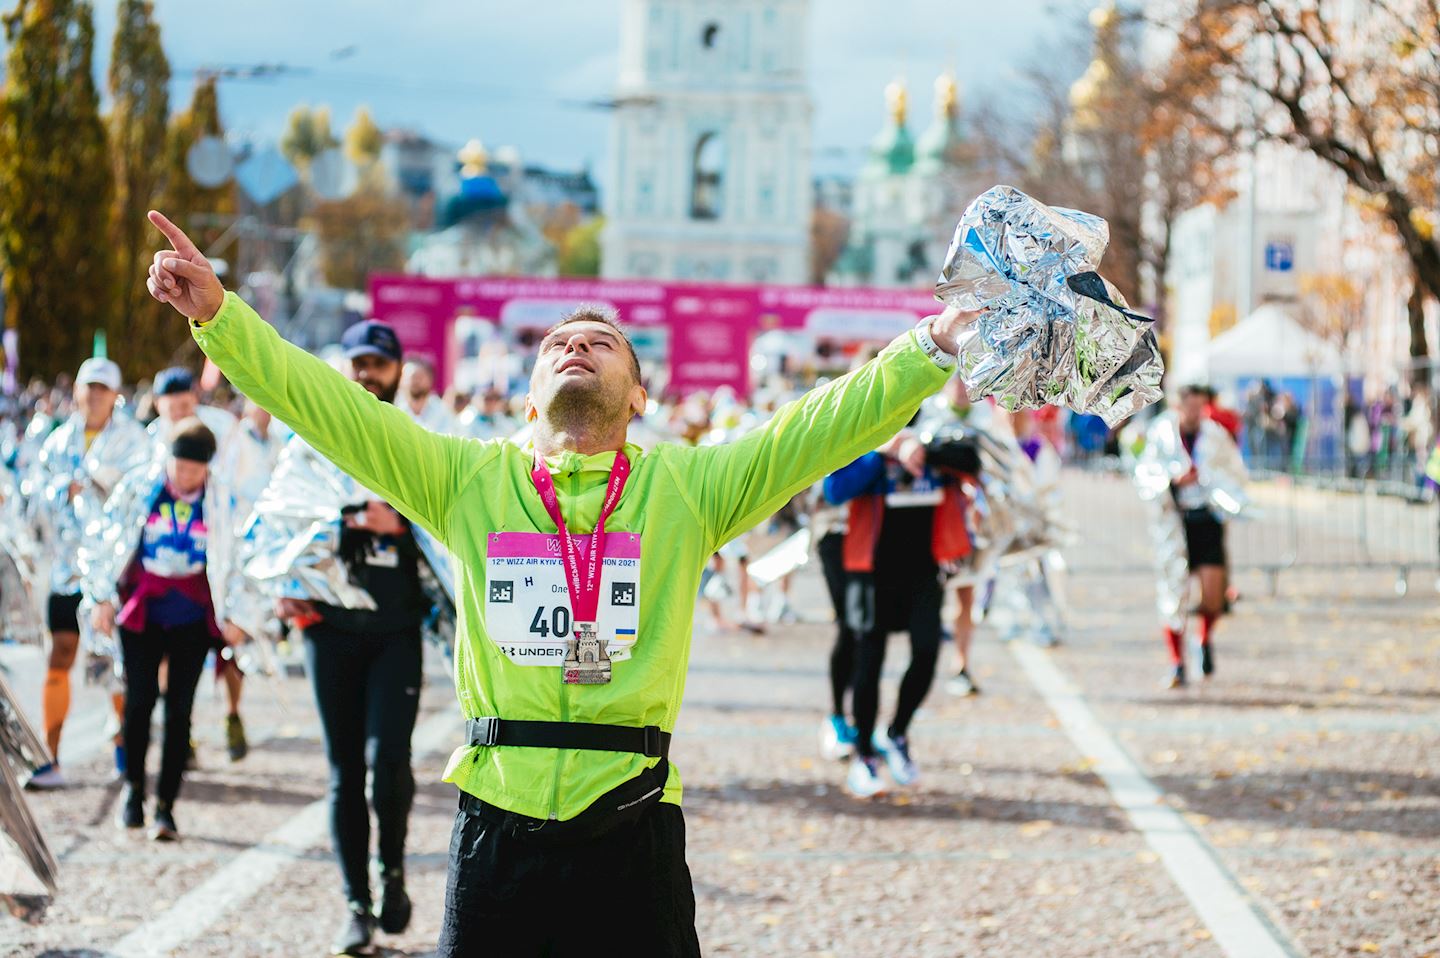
[927, 343]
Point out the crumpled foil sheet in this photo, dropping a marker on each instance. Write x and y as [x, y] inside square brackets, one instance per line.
[293, 538]
[22, 582]
[292, 542]
[27, 868]
[1053, 331]
[121, 447]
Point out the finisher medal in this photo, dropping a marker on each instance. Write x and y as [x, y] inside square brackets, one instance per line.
[587, 656]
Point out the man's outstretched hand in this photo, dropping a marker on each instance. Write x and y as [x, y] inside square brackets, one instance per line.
[946, 328]
[182, 276]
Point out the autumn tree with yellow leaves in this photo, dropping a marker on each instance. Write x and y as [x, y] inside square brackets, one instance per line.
[1357, 85]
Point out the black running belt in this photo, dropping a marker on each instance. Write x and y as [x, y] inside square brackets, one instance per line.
[649, 741]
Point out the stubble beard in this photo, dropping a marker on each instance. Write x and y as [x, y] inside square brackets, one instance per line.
[381, 392]
[583, 409]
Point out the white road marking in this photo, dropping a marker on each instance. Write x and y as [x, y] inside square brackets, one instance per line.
[195, 912]
[1237, 929]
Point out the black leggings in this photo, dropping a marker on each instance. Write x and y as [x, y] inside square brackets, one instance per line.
[367, 688]
[842, 655]
[875, 610]
[186, 647]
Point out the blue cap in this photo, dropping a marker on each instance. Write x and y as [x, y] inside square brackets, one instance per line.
[371, 338]
[176, 379]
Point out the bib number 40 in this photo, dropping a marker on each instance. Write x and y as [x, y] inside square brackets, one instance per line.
[548, 622]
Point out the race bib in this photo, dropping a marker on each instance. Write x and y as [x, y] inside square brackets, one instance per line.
[527, 603]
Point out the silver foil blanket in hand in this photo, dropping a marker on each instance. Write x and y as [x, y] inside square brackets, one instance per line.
[1052, 330]
[292, 541]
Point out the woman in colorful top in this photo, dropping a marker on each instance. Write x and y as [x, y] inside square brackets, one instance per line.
[166, 610]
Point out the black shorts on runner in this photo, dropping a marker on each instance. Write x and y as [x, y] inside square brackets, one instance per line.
[1204, 538]
[64, 612]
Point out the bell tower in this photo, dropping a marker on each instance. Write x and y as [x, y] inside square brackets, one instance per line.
[710, 144]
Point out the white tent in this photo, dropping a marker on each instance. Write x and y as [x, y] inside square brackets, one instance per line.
[1270, 342]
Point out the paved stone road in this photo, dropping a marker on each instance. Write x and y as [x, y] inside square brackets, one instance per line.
[1309, 771]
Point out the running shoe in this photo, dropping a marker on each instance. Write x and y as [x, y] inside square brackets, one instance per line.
[165, 829]
[1176, 679]
[1207, 660]
[357, 934]
[394, 912]
[863, 780]
[235, 738]
[45, 777]
[896, 752]
[837, 738]
[132, 810]
[962, 684]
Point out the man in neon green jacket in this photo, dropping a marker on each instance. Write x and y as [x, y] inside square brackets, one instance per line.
[568, 796]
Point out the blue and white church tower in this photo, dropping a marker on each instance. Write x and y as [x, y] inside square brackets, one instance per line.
[710, 148]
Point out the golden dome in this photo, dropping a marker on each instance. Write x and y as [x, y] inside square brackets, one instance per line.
[474, 158]
[947, 95]
[1103, 15]
[897, 99]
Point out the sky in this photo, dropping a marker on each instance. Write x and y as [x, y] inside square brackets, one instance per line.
[516, 73]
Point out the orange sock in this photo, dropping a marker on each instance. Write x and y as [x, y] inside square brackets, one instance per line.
[1207, 628]
[117, 702]
[55, 702]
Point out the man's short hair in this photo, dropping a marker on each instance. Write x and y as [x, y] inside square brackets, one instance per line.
[423, 362]
[606, 316]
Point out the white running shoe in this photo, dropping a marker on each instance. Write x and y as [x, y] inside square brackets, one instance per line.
[837, 738]
[897, 755]
[46, 777]
[864, 779]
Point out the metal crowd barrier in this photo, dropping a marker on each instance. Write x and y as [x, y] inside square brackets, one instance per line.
[1296, 524]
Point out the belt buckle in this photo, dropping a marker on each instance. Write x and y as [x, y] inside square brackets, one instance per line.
[485, 731]
[653, 742]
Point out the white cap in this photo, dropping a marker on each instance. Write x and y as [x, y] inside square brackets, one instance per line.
[102, 371]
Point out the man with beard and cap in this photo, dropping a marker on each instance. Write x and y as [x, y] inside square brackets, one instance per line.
[577, 558]
[365, 667]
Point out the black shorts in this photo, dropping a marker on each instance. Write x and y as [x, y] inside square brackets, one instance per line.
[1204, 539]
[64, 612]
[503, 893]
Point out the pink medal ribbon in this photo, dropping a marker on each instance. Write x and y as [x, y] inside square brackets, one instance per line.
[587, 661]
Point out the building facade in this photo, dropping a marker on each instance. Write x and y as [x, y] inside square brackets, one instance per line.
[710, 146]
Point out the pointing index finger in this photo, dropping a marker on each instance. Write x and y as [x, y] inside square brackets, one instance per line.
[174, 234]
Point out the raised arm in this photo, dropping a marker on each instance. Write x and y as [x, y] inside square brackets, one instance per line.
[415, 470]
[742, 482]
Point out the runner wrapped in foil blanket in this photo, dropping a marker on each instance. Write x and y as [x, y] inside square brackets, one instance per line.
[1219, 487]
[292, 542]
[27, 869]
[73, 483]
[113, 540]
[1053, 331]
